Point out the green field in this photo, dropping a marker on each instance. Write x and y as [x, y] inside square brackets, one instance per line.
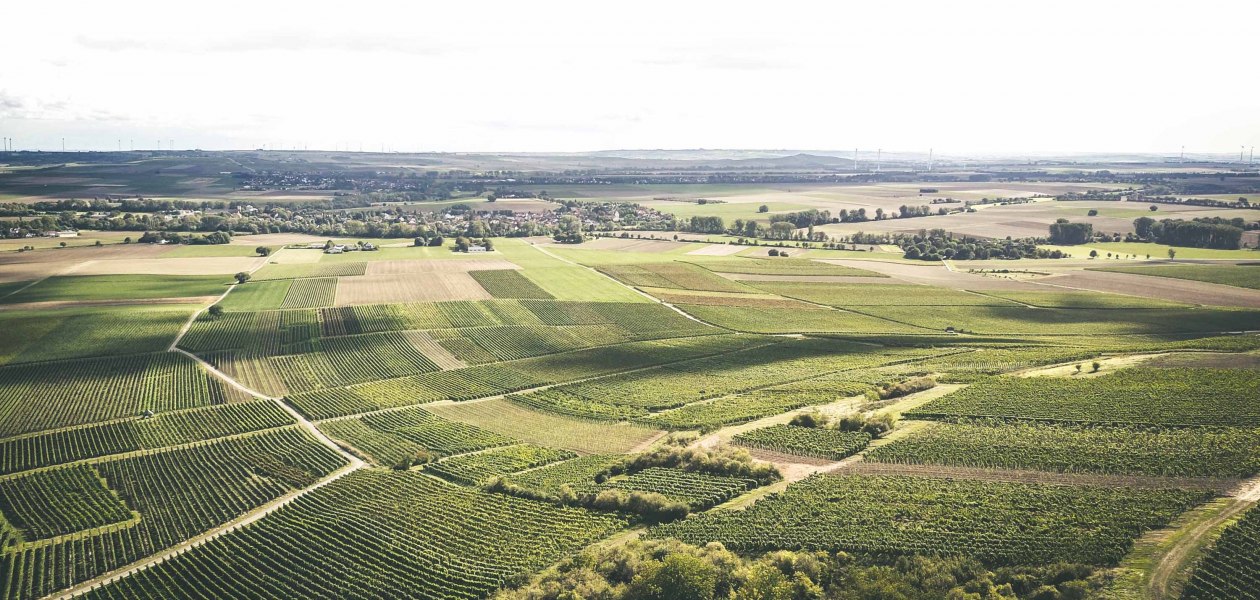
[1245, 275]
[120, 287]
[1140, 250]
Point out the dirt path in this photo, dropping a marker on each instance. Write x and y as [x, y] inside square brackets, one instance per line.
[1172, 563]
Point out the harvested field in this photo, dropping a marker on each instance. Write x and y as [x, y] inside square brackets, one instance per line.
[717, 250]
[171, 266]
[32, 271]
[1163, 288]
[450, 265]
[628, 245]
[389, 289]
[86, 253]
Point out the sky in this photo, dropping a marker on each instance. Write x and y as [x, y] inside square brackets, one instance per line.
[962, 77]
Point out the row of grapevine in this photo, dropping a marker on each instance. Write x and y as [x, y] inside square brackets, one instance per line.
[783, 266]
[319, 269]
[311, 293]
[40, 396]
[547, 428]
[51, 503]
[576, 473]
[352, 359]
[39, 335]
[805, 441]
[672, 275]
[478, 467]
[508, 377]
[1172, 452]
[1000, 523]
[1231, 568]
[1178, 396]
[375, 534]
[396, 437]
[698, 490]
[178, 494]
[508, 283]
[161, 430]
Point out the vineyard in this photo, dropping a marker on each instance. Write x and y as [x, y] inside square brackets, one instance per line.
[51, 503]
[257, 295]
[868, 294]
[395, 437]
[1002, 320]
[577, 473]
[42, 396]
[478, 467]
[999, 523]
[311, 293]
[319, 269]
[784, 320]
[178, 494]
[1231, 569]
[161, 430]
[683, 276]
[697, 490]
[1187, 452]
[372, 535]
[509, 283]
[1215, 397]
[47, 335]
[805, 441]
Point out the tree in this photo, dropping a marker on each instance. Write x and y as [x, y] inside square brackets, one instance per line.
[436, 241]
[461, 244]
[1096, 366]
[1154, 208]
[1066, 233]
[242, 277]
[1093, 254]
[1172, 254]
[773, 252]
[1078, 368]
[127, 240]
[418, 242]
[1093, 212]
[263, 251]
[678, 577]
[63, 244]
[216, 311]
[98, 243]
[763, 209]
[491, 197]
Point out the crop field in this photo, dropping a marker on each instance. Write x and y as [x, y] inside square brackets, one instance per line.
[875, 294]
[805, 441]
[783, 266]
[1244, 275]
[1178, 397]
[479, 467]
[138, 433]
[44, 335]
[39, 396]
[119, 287]
[311, 293]
[220, 479]
[373, 529]
[1231, 569]
[393, 437]
[320, 269]
[781, 320]
[697, 490]
[1167, 452]
[518, 421]
[1003, 523]
[550, 419]
[509, 283]
[576, 473]
[682, 276]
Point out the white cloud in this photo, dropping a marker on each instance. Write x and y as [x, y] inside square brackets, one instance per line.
[969, 76]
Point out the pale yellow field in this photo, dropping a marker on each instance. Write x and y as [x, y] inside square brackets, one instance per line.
[171, 266]
[450, 265]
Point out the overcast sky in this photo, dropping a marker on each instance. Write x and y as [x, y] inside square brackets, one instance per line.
[962, 77]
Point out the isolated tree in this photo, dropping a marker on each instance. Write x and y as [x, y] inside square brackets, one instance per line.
[763, 209]
[1092, 212]
[1154, 208]
[242, 277]
[215, 310]
[263, 251]
[1078, 368]
[1093, 254]
[63, 244]
[1097, 365]
[436, 241]
[127, 240]
[418, 242]
[1172, 254]
[773, 252]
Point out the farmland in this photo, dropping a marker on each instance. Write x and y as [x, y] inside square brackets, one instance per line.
[416, 421]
